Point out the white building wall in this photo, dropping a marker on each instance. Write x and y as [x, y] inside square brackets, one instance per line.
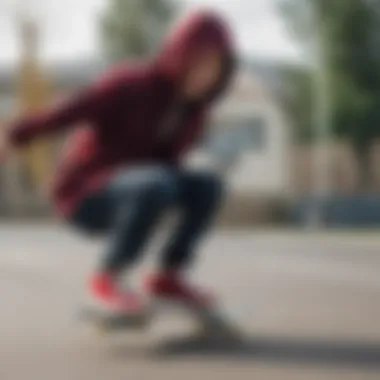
[266, 170]
[259, 170]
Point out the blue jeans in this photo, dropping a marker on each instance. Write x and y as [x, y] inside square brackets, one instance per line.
[129, 208]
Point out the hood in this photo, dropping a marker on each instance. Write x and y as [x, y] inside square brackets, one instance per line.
[195, 32]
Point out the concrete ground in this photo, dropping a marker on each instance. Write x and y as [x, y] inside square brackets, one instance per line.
[312, 301]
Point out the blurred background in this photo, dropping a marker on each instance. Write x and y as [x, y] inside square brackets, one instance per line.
[298, 141]
[297, 136]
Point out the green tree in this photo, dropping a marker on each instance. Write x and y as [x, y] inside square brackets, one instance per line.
[133, 28]
[297, 101]
[349, 31]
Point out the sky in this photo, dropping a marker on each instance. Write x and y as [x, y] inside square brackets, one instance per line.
[69, 28]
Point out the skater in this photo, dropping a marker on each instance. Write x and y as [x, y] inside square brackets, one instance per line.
[121, 168]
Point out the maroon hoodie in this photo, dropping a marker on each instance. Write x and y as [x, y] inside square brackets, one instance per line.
[123, 114]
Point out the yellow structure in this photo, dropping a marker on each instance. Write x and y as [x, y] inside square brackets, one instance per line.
[33, 94]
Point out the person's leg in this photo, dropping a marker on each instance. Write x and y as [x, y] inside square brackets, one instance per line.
[126, 210]
[200, 198]
[139, 196]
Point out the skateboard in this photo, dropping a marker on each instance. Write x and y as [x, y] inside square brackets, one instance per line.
[212, 322]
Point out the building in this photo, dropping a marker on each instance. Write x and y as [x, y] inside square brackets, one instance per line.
[250, 133]
[250, 143]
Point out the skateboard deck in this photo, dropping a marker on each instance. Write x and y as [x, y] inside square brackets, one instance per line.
[210, 322]
[105, 322]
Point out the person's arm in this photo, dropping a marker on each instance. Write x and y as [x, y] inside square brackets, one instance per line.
[88, 105]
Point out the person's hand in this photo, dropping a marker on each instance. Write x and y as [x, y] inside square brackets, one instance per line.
[5, 146]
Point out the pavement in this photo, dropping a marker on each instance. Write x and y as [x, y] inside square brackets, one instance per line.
[309, 304]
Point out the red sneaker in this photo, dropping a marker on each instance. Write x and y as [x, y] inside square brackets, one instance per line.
[106, 296]
[172, 287]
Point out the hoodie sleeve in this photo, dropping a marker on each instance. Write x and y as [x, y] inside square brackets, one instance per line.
[88, 105]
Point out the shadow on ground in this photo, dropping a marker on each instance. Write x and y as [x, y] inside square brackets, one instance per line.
[295, 351]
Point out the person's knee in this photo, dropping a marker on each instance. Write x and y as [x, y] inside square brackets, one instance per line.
[154, 186]
[161, 189]
[211, 187]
